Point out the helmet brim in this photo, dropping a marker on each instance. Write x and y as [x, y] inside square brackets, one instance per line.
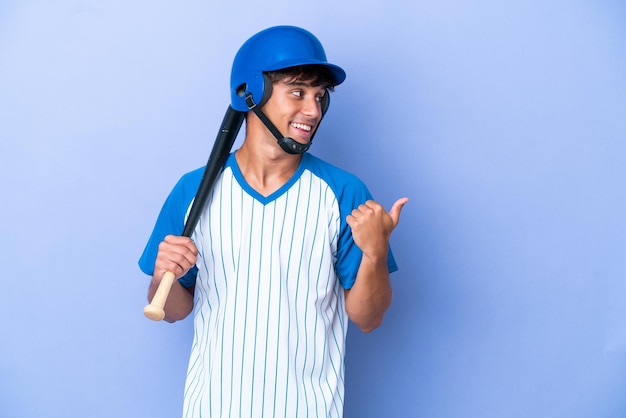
[339, 75]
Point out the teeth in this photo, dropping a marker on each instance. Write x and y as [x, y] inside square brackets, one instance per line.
[301, 126]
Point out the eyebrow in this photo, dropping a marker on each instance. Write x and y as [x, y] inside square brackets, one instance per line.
[300, 83]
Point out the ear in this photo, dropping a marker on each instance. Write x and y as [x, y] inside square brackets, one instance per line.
[250, 92]
[267, 90]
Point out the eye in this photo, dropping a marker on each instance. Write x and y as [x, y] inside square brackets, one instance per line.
[321, 95]
[297, 93]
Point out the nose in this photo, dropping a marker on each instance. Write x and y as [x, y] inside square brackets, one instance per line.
[311, 106]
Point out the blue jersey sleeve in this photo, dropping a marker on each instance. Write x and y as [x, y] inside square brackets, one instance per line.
[350, 192]
[349, 255]
[171, 221]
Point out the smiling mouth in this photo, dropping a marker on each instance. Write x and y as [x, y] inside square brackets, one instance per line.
[302, 126]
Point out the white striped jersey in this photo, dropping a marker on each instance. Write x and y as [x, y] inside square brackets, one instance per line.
[269, 318]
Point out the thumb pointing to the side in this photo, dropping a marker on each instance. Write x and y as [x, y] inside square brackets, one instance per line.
[396, 209]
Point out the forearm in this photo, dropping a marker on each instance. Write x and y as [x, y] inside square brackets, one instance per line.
[370, 296]
[179, 302]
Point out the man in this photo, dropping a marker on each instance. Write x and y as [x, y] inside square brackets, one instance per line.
[288, 248]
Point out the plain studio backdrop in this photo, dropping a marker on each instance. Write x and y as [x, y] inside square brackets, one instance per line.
[504, 122]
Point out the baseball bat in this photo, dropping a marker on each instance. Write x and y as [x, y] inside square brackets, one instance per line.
[221, 149]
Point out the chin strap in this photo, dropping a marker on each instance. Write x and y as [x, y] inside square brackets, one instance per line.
[289, 145]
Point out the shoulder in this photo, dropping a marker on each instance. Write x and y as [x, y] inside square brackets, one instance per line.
[342, 182]
[171, 219]
[330, 172]
[189, 182]
[182, 194]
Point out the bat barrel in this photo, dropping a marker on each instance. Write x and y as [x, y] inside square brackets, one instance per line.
[233, 120]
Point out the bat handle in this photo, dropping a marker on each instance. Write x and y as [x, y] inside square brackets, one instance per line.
[155, 310]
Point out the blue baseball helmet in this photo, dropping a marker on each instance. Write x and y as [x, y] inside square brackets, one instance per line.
[274, 49]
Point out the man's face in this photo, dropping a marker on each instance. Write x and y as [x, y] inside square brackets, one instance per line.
[295, 108]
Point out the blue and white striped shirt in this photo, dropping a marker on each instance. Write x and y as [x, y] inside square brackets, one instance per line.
[269, 319]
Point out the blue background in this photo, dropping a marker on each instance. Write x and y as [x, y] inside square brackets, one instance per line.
[504, 122]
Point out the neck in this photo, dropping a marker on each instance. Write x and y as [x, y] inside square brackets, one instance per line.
[265, 166]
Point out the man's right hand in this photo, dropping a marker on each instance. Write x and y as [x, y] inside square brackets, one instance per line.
[176, 254]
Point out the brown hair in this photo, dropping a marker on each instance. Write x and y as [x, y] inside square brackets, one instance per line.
[318, 75]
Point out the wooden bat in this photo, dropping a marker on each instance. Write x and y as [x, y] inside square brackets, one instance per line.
[219, 154]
